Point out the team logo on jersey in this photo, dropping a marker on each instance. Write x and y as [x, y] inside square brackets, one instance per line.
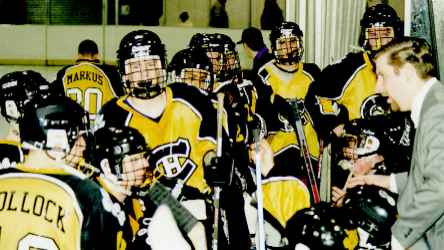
[405, 138]
[327, 106]
[173, 159]
[374, 105]
[305, 119]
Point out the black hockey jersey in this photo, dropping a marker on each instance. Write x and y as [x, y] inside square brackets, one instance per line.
[240, 104]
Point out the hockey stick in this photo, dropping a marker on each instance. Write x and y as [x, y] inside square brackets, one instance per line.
[297, 108]
[217, 189]
[260, 240]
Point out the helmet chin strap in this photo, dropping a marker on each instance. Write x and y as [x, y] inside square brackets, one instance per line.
[146, 91]
[56, 154]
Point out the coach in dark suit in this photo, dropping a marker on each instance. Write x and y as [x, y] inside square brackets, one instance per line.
[405, 73]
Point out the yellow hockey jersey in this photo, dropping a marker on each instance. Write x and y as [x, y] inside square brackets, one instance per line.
[342, 92]
[89, 84]
[179, 138]
[292, 86]
[55, 209]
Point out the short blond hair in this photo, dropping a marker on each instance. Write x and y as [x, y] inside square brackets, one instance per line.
[413, 50]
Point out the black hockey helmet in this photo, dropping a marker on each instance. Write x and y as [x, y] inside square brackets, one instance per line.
[290, 36]
[373, 209]
[389, 135]
[380, 15]
[142, 63]
[320, 227]
[52, 123]
[114, 145]
[18, 88]
[230, 63]
[192, 66]
[221, 50]
[199, 40]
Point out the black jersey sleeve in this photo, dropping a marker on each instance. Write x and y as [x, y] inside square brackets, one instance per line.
[324, 120]
[264, 106]
[335, 77]
[111, 114]
[313, 70]
[102, 218]
[115, 79]
[56, 87]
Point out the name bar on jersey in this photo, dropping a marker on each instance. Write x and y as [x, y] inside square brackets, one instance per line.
[32, 204]
[84, 75]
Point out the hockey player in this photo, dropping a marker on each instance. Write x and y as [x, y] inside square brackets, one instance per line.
[346, 88]
[120, 154]
[170, 118]
[16, 89]
[47, 205]
[222, 46]
[287, 79]
[287, 187]
[193, 67]
[88, 82]
[240, 94]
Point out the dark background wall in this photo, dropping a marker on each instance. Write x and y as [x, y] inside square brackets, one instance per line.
[51, 11]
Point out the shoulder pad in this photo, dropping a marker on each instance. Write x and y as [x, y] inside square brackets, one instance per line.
[200, 104]
[335, 76]
[111, 113]
[191, 95]
[312, 69]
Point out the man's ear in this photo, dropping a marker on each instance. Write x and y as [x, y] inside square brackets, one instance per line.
[408, 71]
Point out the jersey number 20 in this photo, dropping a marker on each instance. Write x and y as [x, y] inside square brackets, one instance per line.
[87, 97]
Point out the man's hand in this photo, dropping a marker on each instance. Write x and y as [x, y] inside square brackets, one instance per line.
[264, 156]
[396, 245]
[377, 180]
[364, 165]
[339, 130]
[337, 196]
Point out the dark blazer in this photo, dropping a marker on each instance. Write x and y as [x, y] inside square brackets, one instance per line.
[421, 198]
